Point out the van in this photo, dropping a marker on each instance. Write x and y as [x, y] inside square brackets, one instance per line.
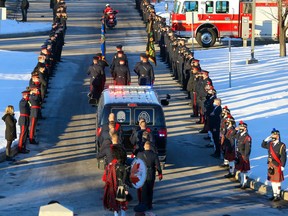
[129, 104]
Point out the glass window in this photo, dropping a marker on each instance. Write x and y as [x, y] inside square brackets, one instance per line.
[247, 8]
[190, 6]
[176, 7]
[222, 7]
[209, 6]
[122, 115]
[147, 114]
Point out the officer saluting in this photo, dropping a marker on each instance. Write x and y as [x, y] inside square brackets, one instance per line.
[276, 162]
[144, 70]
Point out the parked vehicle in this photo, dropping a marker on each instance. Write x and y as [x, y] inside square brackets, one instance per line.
[209, 20]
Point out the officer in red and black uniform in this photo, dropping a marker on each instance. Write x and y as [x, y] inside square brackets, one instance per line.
[243, 150]
[277, 157]
[23, 122]
[35, 112]
[229, 145]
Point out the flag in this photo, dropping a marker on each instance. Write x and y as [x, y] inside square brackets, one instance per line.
[102, 39]
[150, 48]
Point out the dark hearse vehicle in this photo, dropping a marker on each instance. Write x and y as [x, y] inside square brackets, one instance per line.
[129, 104]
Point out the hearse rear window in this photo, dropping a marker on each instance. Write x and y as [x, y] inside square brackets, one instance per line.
[122, 115]
[147, 114]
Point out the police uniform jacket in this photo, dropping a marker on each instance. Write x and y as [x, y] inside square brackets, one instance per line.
[24, 108]
[152, 163]
[10, 130]
[280, 150]
[244, 142]
[215, 119]
[145, 73]
[122, 75]
[95, 72]
[35, 105]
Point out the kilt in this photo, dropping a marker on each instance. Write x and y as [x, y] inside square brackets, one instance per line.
[241, 164]
[229, 155]
[278, 174]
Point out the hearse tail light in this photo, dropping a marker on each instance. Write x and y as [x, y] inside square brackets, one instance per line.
[162, 132]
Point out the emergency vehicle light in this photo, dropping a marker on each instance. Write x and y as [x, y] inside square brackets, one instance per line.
[132, 105]
[127, 88]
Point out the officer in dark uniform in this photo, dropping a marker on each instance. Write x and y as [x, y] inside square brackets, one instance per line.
[152, 163]
[95, 72]
[186, 70]
[277, 157]
[23, 122]
[35, 112]
[116, 61]
[43, 80]
[145, 71]
[214, 121]
[243, 145]
[103, 64]
[122, 73]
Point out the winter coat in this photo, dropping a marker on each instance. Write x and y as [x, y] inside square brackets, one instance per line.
[10, 131]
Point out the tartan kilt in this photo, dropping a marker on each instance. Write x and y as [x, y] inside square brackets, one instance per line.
[241, 164]
[229, 155]
[278, 174]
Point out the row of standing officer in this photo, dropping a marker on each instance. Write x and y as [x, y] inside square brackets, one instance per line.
[33, 97]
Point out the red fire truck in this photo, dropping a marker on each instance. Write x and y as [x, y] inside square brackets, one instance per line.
[214, 19]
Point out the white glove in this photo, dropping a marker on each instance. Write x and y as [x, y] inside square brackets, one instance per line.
[282, 168]
[268, 139]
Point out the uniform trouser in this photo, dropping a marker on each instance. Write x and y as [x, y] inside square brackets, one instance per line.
[216, 138]
[147, 193]
[194, 103]
[8, 148]
[33, 124]
[23, 137]
[24, 14]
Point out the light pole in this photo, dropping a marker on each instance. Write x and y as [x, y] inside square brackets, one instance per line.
[253, 60]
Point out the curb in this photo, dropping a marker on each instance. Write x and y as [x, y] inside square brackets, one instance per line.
[261, 187]
[25, 34]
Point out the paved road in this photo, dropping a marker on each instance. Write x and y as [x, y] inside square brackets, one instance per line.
[63, 167]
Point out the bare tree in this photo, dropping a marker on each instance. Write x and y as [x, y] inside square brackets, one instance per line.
[283, 25]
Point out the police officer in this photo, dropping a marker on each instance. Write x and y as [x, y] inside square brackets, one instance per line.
[277, 157]
[107, 127]
[145, 71]
[95, 71]
[152, 163]
[214, 121]
[122, 73]
[243, 145]
[23, 122]
[35, 112]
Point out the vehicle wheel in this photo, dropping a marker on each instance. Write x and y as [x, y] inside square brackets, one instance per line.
[206, 37]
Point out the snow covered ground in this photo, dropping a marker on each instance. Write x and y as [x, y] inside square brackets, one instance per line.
[14, 27]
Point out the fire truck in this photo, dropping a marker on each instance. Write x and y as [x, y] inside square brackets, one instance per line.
[209, 20]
